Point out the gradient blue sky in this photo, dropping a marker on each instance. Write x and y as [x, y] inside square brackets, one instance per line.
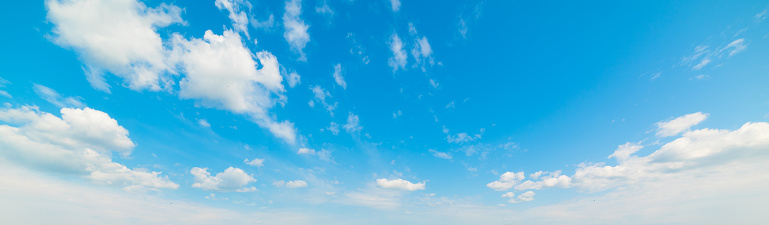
[384, 112]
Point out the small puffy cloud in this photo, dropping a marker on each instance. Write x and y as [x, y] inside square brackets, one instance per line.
[257, 162]
[294, 79]
[525, 197]
[680, 124]
[220, 72]
[295, 29]
[338, 76]
[625, 151]
[506, 181]
[119, 37]
[231, 179]
[203, 123]
[400, 184]
[333, 128]
[353, 124]
[79, 142]
[395, 5]
[439, 154]
[55, 98]
[323, 154]
[237, 14]
[399, 57]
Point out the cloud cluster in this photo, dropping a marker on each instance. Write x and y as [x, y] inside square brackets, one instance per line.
[231, 179]
[218, 71]
[400, 184]
[79, 142]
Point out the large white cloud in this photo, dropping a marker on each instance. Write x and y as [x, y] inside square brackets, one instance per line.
[697, 153]
[231, 179]
[220, 72]
[295, 29]
[400, 184]
[116, 36]
[80, 142]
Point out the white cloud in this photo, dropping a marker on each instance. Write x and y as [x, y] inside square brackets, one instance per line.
[396, 5]
[55, 98]
[623, 152]
[338, 76]
[80, 142]
[323, 154]
[257, 162]
[231, 179]
[399, 57]
[353, 124]
[295, 29]
[203, 123]
[735, 47]
[506, 181]
[400, 184]
[320, 97]
[290, 184]
[334, 128]
[222, 73]
[293, 79]
[117, 36]
[680, 124]
[237, 14]
[397, 114]
[439, 154]
[325, 10]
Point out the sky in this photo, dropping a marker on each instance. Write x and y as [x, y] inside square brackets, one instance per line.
[384, 112]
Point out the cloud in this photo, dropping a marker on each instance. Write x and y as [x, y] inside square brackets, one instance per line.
[323, 154]
[353, 124]
[333, 128]
[295, 29]
[222, 73]
[525, 197]
[55, 98]
[325, 10]
[395, 5]
[320, 96]
[704, 56]
[3, 82]
[338, 76]
[237, 15]
[438, 154]
[79, 142]
[117, 36]
[257, 162]
[290, 184]
[506, 181]
[735, 47]
[421, 50]
[203, 123]
[680, 124]
[293, 79]
[623, 152]
[231, 179]
[399, 57]
[400, 184]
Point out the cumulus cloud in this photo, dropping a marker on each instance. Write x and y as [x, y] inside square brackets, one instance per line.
[257, 162]
[353, 124]
[117, 36]
[338, 76]
[231, 179]
[680, 124]
[55, 98]
[399, 57]
[295, 29]
[506, 181]
[290, 184]
[421, 50]
[293, 79]
[237, 14]
[333, 128]
[222, 73]
[79, 142]
[400, 184]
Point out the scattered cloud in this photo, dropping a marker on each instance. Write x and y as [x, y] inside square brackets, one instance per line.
[320, 97]
[333, 128]
[399, 57]
[55, 98]
[443, 155]
[237, 14]
[353, 124]
[231, 179]
[290, 184]
[338, 78]
[680, 124]
[295, 29]
[293, 79]
[395, 5]
[400, 184]
[323, 154]
[256, 162]
[203, 123]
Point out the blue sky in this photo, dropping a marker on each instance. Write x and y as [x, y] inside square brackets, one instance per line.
[384, 112]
